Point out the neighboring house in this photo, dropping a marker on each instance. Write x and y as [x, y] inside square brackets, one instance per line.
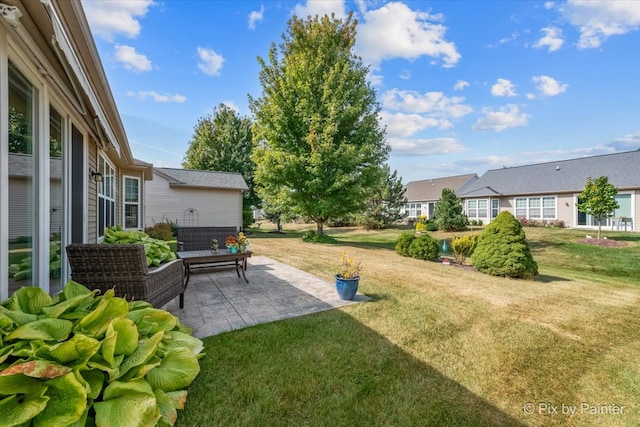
[194, 197]
[66, 169]
[422, 195]
[549, 191]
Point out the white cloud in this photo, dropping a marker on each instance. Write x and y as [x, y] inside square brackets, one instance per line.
[156, 97]
[424, 147]
[627, 142]
[321, 8]
[375, 79]
[503, 87]
[434, 103]
[210, 62]
[109, 18]
[131, 59]
[407, 34]
[504, 118]
[460, 84]
[401, 125]
[552, 39]
[405, 74]
[597, 20]
[232, 105]
[256, 16]
[549, 86]
[549, 5]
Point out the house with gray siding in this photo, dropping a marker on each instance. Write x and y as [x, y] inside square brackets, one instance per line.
[422, 195]
[194, 198]
[549, 191]
[66, 168]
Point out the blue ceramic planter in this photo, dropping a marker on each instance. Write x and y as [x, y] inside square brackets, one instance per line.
[347, 288]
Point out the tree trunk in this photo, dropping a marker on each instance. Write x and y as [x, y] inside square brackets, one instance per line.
[599, 227]
[320, 227]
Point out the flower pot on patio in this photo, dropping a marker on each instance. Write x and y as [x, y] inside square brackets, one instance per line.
[347, 288]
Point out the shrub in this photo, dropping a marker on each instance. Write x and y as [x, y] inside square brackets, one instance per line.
[463, 247]
[424, 247]
[502, 249]
[160, 231]
[421, 224]
[431, 225]
[311, 237]
[157, 251]
[80, 359]
[404, 242]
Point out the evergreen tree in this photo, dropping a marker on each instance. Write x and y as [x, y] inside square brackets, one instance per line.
[448, 212]
[383, 208]
[318, 143]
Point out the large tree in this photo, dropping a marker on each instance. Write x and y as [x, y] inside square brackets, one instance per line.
[598, 199]
[222, 142]
[319, 144]
[448, 212]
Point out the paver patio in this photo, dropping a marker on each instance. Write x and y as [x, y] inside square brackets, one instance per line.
[218, 300]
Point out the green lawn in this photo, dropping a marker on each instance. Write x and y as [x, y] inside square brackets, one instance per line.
[438, 345]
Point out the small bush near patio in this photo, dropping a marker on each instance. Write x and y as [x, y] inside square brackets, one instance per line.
[424, 247]
[463, 246]
[503, 250]
[404, 242]
[160, 231]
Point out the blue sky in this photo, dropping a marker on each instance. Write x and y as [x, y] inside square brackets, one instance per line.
[464, 86]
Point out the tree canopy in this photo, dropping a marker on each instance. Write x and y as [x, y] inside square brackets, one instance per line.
[384, 205]
[318, 142]
[448, 212]
[222, 142]
[598, 199]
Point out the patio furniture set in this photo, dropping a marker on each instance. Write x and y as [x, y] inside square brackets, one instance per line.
[124, 267]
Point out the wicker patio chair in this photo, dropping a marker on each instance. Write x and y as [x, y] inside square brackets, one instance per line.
[124, 268]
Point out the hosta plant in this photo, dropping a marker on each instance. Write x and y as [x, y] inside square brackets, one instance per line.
[79, 359]
[156, 251]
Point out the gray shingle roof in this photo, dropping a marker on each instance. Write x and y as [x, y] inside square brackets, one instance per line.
[623, 170]
[205, 179]
[431, 189]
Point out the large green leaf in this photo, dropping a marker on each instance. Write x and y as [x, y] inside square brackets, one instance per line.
[127, 338]
[42, 329]
[96, 323]
[19, 384]
[175, 339]
[16, 318]
[168, 412]
[37, 369]
[73, 289]
[127, 404]
[68, 399]
[93, 380]
[145, 350]
[178, 369]
[98, 362]
[152, 320]
[108, 344]
[19, 410]
[28, 299]
[56, 310]
[79, 348]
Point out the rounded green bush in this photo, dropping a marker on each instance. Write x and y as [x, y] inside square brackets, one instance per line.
[424, 247]
[403, 243]
[502, 249]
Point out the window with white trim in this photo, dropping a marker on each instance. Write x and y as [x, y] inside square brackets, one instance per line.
[536, 207]
[106, 196]
[131, 202]
[478, 208]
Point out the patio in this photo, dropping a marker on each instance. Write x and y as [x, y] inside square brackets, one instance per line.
[218, 300]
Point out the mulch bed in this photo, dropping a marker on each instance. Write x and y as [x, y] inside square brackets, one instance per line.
[607, 243]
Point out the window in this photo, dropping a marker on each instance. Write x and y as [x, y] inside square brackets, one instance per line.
[131, 202]
[106, 196]
[536, 207]
[472, 208]
[483, 208]
[495, 207]
[413, 210]
[56, 135]
[478, 208]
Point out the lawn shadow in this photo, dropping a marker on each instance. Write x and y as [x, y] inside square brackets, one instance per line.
[326, 369]
[545, 278]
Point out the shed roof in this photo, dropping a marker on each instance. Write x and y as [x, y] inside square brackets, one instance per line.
[558, 177]
[431, 189]
[203, 179]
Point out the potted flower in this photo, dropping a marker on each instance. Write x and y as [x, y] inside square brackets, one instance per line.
[214, 245]
[232, 244]
[243, 242]
[348, 276]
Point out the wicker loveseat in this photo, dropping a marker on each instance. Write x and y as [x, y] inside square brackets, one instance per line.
[124, 268]
[199, 238]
